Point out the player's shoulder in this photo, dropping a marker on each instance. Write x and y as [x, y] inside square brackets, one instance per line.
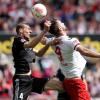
[64, 38]
[19, 39]
[74, 38]
[69, 40]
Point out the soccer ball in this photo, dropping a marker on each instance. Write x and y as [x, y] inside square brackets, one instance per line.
[39, 11]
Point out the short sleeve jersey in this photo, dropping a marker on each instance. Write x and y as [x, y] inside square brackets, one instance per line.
[72, 62]
[23, 57]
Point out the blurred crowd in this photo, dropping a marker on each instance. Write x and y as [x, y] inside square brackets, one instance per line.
[93, 78]
[6, 75]
[80, 16]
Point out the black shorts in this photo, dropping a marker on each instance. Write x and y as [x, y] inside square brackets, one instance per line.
[24, 85]
[63, 96]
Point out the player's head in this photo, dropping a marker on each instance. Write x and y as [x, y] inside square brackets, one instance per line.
[57, 28]
[23, 30]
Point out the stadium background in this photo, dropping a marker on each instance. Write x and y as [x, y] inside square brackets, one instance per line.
[82, 17]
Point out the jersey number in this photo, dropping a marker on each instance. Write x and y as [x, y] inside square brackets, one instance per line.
[58, 52]
[21, 96]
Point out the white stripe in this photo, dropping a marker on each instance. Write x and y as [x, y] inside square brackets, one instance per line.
[16, 89]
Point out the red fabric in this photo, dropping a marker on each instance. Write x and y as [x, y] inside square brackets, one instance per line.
[37, 74]
[76, 89]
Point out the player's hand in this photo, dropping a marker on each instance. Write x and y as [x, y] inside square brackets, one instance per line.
[47, 25]
[55, 41]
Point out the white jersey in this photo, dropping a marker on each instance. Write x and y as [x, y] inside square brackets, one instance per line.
[72, 62]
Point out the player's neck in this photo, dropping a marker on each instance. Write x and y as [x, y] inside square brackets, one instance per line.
[63, 34]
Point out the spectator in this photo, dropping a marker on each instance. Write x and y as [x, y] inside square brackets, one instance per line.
[12, 12]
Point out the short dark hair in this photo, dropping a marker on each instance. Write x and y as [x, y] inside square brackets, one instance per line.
[19, 26]
[54, 27]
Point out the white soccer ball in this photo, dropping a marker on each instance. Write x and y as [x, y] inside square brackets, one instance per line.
[39, 11]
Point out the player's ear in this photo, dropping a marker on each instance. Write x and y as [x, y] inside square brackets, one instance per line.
[20, 30]
[60, 29]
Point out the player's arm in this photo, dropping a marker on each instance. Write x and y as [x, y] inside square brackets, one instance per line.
[42, 51]
[38, 38]
[35, 41]
[87, 52]
[75, 44]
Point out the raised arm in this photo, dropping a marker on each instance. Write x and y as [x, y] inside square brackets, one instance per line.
[35, 41]
[75, 45]
[42, 51]
[38, 38]
[87, 52]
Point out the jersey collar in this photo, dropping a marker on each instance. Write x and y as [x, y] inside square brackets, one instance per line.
[64, 36]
